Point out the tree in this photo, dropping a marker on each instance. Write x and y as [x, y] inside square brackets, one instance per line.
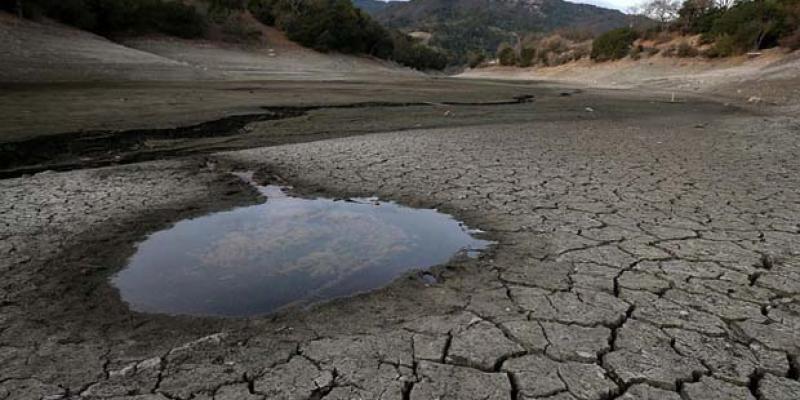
[613, 45]
[526, 56]
[698, 16]
[506, 56]
[752, 24]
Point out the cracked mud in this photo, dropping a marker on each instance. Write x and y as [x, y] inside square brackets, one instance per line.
[636, 259]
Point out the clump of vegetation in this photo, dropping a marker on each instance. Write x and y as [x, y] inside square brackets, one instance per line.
[326, 25]
[507, 56]
[238, 29]
[526, 57]
[537, 50]
[410, 52]
[751, 25]
[613, 45]
[685, 50]
[724, 46]
[745, 25]
[730, 27]
[107, 17]
[336, 25]
[475, 58]
[636, 52]
[792, 40]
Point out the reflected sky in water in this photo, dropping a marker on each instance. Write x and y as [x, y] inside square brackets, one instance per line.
[257, 259]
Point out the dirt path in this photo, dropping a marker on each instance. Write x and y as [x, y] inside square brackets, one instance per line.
[638, 258]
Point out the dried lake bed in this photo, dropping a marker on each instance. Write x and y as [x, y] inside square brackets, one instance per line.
[644, 250]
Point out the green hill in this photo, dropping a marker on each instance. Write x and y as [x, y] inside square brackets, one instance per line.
[460, 26]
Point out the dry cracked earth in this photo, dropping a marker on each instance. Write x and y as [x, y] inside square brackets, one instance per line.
[639, 259]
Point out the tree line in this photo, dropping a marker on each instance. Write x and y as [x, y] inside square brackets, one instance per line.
[725, 28]
[730, 26]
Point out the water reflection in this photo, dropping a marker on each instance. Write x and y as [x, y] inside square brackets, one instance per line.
[254, 260]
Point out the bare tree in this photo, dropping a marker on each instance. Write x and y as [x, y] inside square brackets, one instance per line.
[662, 11]
[724, 4]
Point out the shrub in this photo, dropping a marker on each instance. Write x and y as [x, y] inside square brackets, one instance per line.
[581, 50]
[575, 34]
[685, 50]
[636, 52]
[326, 25]
[526, 56]
[172, 17]
[239, 29]
[475, 58]
[409, 52]
[613, 45]
[651, 51]
[263, 11]
[725, 46]
[791, 41]
[506, 56]
[554, 44]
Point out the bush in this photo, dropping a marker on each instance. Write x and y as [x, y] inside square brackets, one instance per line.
[237, 29]
[613, 45]
[526, 57]
[651, 51]
[636, 52]
[326, 25]
[791, 41]
[409, 52]
[685, 50]
[725, 46]
[262, 10]
[475, 58]
[506, 56]
[751, 25]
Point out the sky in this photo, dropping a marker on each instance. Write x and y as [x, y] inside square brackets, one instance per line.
[621, 5]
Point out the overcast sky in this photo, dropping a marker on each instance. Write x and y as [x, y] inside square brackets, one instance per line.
[621, 5]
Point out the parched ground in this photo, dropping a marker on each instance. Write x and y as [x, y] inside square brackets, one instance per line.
[647, 248]
[637, 258]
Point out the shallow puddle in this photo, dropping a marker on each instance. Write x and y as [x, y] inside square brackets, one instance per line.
[257, 259]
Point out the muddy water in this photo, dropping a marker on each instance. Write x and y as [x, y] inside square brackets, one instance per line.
[255, 260]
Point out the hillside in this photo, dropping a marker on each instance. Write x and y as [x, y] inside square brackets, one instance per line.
[47, 51]
[371, 6]
[461, 26]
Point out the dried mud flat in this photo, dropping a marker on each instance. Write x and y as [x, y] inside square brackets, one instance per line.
[638, 258]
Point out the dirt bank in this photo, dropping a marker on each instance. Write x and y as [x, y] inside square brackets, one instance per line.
[772, 77]
[51, 52]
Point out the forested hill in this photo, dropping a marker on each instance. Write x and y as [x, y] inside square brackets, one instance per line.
[470, 25]
[371, 6]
